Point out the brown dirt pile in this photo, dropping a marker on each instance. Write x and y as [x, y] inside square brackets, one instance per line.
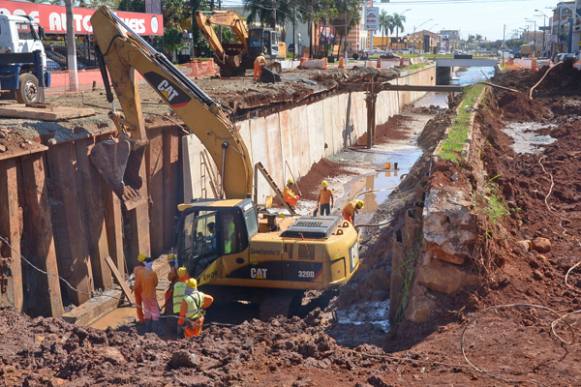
[324, 169]
[518, 107]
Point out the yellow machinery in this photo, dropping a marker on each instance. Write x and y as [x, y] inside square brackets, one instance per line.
[235, 57]
[225, 243]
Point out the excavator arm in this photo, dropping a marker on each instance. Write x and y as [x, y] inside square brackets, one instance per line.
[124, 51]
[230, 57]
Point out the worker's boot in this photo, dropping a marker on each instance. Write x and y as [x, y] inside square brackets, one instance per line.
[156, 327]
[147, 326]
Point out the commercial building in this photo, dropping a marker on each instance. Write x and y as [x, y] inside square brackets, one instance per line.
[423, 41]
[449, 40]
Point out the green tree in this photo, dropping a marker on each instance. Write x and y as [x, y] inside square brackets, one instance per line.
[386, 24]
[398, 23]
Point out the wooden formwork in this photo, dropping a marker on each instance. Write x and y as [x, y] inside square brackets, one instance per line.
[59, 214]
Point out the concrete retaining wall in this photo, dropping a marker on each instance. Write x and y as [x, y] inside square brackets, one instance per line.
[289, 142]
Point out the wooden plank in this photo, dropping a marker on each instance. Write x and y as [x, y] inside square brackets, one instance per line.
[120, 280]
[437, 88]
[94, 309]
[70, 238]
[172, 190]
[93, 216]
[157, 190]
[137, 223]
[39, 238]
[114, 225]
[53, 113]
[11, 291]
[29, 149]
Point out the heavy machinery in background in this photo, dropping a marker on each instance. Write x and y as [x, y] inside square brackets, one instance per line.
[236, 249]
[234, 58]
[23, 71]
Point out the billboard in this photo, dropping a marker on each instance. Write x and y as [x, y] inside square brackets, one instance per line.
[372, 19]
[54, 20]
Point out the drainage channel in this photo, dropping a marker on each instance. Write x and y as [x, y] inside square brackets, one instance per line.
[374, 185]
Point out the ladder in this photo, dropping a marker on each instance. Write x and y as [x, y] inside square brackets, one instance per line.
[207, 169]
[259, 167]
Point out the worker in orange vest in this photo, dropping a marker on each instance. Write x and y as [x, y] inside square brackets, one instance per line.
[137, 275]
[145, 292]
[351, 209]
[192, 310]
[289, 196]
[259, 63]
[326, 200]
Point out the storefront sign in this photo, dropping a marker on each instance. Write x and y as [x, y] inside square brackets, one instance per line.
[54, 20]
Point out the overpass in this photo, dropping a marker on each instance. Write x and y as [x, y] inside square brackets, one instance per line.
[444, 66]
[478, 62]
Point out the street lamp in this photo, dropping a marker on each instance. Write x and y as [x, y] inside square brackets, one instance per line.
[426, 21]
[534, 34]
[544, 26]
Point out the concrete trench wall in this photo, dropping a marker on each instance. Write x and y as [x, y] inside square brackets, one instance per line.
[301, 136]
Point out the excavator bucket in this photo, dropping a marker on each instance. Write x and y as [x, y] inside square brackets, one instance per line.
[119, 165]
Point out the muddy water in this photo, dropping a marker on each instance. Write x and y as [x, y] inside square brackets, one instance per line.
[526, 137]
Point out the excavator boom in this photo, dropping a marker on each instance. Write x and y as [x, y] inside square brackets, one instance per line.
[123, 51]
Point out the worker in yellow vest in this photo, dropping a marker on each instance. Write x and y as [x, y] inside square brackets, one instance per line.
[192, 310]
[179, 289]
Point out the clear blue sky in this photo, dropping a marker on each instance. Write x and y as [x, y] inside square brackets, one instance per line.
[485, 17]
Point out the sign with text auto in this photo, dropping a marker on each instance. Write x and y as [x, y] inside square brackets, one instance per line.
[372, 18]
[54, 20]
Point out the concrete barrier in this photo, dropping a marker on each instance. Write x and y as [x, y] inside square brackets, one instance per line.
[303, 135]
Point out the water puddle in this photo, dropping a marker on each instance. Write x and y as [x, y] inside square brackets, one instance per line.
[526, 137]
[375, 313]
[433, 99]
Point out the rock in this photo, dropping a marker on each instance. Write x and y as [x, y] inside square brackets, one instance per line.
[113, 355]
[445, 278]
[376, 381]
[3, 148]
[524, 246]
[543, 259]
[542, 245]
[182, 359]
[419, 308]
[537, 275]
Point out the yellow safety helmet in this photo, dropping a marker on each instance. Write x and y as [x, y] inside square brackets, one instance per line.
[182, 271]
[142, 257]
[359, 204]
[290, 181]
[192, 283]
[325, 183]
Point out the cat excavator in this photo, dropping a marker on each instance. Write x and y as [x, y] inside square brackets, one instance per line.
[235, 57]
[235, 249]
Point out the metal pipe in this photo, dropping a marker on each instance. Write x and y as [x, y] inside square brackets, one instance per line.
[223, 172]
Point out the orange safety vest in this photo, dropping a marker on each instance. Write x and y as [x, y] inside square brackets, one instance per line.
[290, 197]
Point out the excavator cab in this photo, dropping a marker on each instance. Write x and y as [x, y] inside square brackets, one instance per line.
[208, 230]
[263, 40]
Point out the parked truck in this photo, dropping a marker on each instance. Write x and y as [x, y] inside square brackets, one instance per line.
[23, 71]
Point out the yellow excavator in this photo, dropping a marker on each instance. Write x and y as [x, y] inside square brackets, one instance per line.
[233, 248]
[235, 57]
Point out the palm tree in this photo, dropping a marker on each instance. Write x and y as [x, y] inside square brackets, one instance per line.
[385, 24]
[398, 23]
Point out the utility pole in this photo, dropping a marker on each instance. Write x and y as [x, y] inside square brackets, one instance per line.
[503, 42]
[71, 48]
[274, 14]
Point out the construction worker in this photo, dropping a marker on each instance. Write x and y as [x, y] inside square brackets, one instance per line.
[326, 200]
[351, 209]
[289, 196]
[145, 295]
[138, 279]
[193, 309]
[259, 63]
[179, 285]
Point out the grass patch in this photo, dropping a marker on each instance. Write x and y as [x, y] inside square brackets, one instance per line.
[416, 66]
[496, 209]
[458, 133]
